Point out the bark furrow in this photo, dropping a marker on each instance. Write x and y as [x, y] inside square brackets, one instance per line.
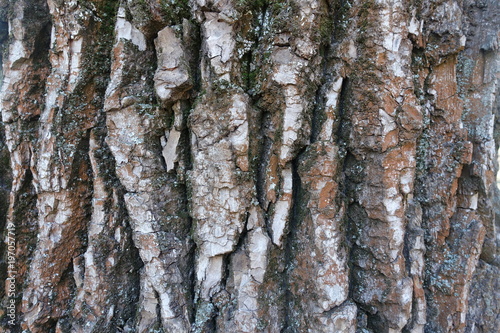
[249, 166]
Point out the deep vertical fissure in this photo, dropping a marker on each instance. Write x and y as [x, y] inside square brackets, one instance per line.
[263, 163]
[186, 142]
[5, 187]
[317, 118]
[158, 311]
[290, 246]
[130, 262]
[351, 174]
[25, 220]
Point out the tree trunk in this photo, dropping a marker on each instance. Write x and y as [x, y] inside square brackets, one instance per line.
[250, 166]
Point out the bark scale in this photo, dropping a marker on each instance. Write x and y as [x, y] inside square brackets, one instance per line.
[250, 166]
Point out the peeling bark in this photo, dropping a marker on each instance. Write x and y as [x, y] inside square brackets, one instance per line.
[250, 166]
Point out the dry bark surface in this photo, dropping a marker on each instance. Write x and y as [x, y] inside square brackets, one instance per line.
[250, 166]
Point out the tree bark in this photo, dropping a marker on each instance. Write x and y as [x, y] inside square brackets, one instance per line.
[250, 166]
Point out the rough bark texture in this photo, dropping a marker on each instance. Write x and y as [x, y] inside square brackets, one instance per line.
[251, 166]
